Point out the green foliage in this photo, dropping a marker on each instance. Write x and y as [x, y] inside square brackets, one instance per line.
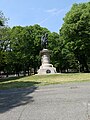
[25, 43]
[54, 44]
[2, 19]
[75, 32]
[4, 47]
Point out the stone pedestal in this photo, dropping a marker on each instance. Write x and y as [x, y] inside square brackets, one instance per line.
[46, 67]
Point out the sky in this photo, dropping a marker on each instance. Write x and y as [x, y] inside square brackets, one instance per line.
[46, 13]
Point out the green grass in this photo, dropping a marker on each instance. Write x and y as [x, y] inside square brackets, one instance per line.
[38, 80]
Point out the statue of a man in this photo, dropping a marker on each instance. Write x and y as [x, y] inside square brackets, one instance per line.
[44, 41]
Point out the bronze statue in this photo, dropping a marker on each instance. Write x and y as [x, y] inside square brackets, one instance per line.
[44, 41]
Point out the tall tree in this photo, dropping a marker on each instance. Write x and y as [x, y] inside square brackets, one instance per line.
[4, 41]
[75, 32]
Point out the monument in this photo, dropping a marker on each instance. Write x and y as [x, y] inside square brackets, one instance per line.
[46, 67]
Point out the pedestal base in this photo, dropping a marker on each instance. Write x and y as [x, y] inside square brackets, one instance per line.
[46, 67]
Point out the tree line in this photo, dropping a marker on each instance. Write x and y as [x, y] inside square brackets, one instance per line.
[20, 46]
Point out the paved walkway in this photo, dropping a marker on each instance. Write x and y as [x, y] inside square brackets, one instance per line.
[54, 102]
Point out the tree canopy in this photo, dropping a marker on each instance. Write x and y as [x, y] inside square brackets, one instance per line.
[75, 32]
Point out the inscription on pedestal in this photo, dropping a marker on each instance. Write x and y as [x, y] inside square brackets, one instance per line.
[48, 71]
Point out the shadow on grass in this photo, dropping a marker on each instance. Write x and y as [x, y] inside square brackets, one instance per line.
[17, 84]
[9, 99]
[10, 78]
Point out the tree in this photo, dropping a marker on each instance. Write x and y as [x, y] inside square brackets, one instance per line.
[75, 33]
[55, 47]
[2, 19]
[4, 41]
[4, 49]
[25, 46]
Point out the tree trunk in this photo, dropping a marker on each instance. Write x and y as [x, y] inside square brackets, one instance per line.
[24, 73]
[7, 74]
[18, 74]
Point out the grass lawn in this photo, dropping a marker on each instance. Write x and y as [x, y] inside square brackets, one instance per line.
[37, 80]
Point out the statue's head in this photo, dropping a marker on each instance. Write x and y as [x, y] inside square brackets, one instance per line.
[46, 35]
